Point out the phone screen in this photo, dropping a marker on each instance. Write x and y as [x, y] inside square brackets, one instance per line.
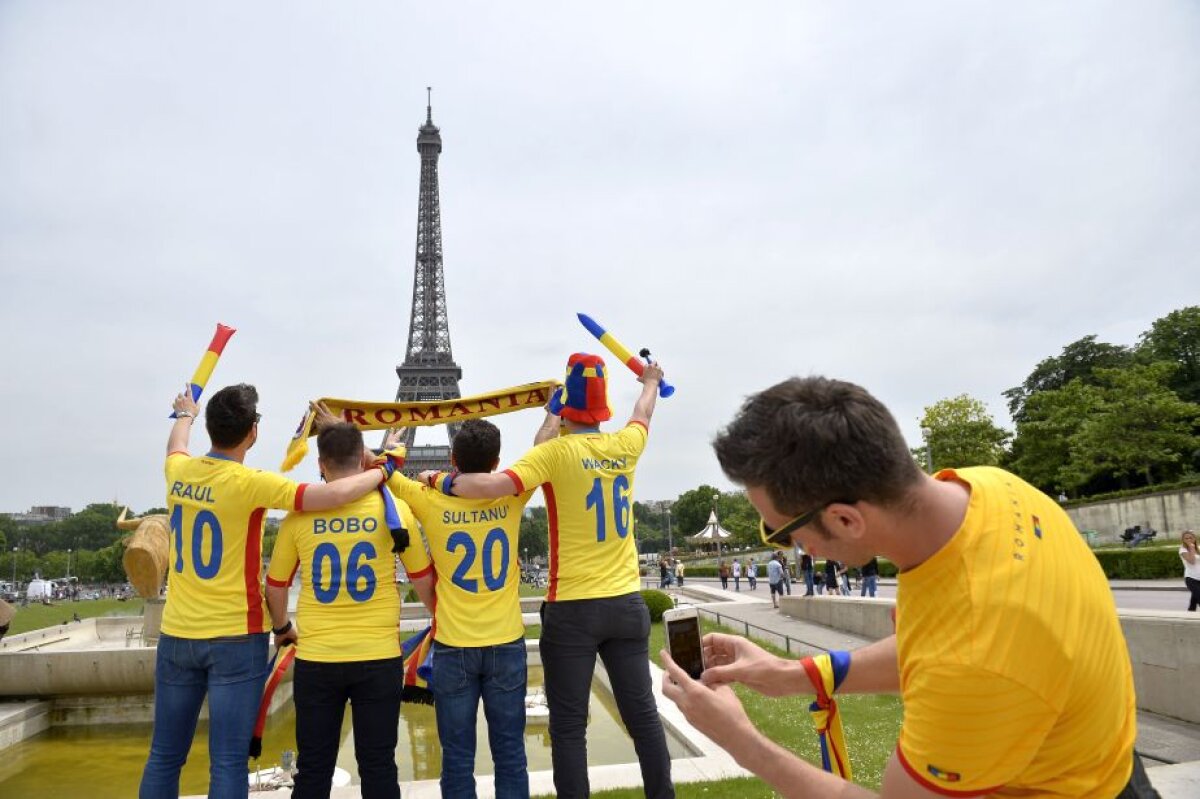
[683, 640]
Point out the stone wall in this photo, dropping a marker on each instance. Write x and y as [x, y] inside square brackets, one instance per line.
[1164, 646]
[1169, 512]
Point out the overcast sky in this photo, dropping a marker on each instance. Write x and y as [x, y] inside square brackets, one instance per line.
[924, 198]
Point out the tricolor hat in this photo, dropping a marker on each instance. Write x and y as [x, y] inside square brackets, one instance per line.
[585, 390]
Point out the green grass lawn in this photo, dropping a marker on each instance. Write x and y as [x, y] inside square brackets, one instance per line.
[872, 725]
[35, 615]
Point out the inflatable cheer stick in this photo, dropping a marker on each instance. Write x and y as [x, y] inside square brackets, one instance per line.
[618, 349]
[209, 361]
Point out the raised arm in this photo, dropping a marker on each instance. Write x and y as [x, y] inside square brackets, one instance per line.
[548, 430]
[186, 411]
[643, 409]
[323, 496]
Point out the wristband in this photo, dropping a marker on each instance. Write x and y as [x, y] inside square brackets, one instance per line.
[388, 469]
[184, 415]
[446, 484]
[284, 629]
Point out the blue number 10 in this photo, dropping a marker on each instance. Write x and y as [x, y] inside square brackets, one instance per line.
[620, 497]
[205, 518]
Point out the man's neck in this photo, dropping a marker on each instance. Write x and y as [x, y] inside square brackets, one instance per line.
[937, 510]
[237, 454]
[576, 427]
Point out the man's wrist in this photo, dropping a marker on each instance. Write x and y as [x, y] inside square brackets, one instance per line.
[284, 630]
[184, 415]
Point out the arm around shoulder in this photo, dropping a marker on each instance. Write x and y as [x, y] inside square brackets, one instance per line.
[346, 489]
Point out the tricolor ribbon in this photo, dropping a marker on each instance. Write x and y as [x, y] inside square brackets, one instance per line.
[209, 361]
[418, 667]
[279, 666]
[826, 672]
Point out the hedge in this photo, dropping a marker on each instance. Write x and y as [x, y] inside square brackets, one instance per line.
[1185, 482]
[657, 603]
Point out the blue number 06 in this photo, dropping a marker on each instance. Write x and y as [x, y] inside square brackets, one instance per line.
[360, 577]
[494, 581]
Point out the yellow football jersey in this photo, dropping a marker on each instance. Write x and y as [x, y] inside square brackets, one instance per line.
[216, 509]
[473, 543]
[349, 605]
[587, 479]
[1013, 669]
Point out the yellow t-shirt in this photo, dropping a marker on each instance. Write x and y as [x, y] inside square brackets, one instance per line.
[587, 479]
[349, 605]
[473, 543]
[216, 508]
[1014, 672]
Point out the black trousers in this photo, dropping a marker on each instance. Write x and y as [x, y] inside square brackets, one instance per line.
[618, 629]
[1193, 586]
[321, 692]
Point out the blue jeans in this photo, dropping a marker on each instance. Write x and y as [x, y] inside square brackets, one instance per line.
[808, 582]
[231, 671]
[461, 675]
[868, 584]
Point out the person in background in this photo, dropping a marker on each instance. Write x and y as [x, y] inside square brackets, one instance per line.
[723, 573]
[775, 580]
[737, 575]
[1191, 566]
[870, 577]
[752, 574]
[831, 577]
[679, 572]
[664, 568]
[806, 566]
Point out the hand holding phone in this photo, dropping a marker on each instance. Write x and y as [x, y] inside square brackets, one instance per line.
[683, 640]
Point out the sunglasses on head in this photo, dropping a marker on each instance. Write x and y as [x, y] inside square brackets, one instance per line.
[782, 537]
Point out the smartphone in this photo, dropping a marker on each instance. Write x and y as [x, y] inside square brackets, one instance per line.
[683, 640]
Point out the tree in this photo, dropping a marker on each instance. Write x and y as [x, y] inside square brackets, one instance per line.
[1175, 338]
[534, 534]
[962, 433]
[1078, 360]
[1141, 429]
[690, 513]
[1041, 450]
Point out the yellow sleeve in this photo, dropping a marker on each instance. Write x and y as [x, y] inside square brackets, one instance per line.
[632, 438]
[535, 467]
[284, 558]
[174, 460]
[269, 490]
[968, 732]
[414, 557]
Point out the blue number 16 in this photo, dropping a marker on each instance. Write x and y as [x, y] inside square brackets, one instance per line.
[620, 497]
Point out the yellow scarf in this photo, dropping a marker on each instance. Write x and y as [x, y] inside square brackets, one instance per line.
[387, 415]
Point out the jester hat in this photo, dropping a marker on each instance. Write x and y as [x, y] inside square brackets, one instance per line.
[585, 390]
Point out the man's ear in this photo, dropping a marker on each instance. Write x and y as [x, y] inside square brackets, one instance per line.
[845, 521]
[453, 462]
[495, 464]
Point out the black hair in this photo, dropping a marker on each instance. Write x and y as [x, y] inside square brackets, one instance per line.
[477, 446]
[340, 445]
[230, 415]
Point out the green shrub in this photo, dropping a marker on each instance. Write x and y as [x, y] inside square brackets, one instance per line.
[657, 602]
[411, 597]
[1140, 564]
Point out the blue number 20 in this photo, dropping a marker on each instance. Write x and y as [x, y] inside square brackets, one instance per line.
[205, 518]
[620, 497]
[494, 581]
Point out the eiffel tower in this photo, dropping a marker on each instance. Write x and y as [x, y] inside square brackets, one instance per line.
[428, 371]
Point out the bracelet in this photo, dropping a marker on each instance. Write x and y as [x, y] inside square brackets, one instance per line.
[284, 629]
[184, 415]
[447, 482]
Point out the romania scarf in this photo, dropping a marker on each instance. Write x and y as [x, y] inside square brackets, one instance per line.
[418, 667]
[388, 415]
[826, 672]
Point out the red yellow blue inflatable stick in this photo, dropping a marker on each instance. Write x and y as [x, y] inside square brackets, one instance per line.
[618, 349]
[209, 361]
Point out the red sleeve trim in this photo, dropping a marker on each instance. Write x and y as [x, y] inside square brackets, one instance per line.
[933, 786]
[299, 504]
[639, 423]
[422, 573]
[177, 452]
[516, 481]
[278, 583]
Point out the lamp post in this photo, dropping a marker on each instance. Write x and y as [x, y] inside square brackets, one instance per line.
[670, 540]
[68, 567]
[927, 434]
[716, 496]
[15, 568]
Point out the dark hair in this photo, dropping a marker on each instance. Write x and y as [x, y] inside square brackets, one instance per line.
[476, 446]
[812, 440]
[230, 415]
[340, 445]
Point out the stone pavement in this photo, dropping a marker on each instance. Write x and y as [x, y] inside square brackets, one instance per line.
[1162, 742]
